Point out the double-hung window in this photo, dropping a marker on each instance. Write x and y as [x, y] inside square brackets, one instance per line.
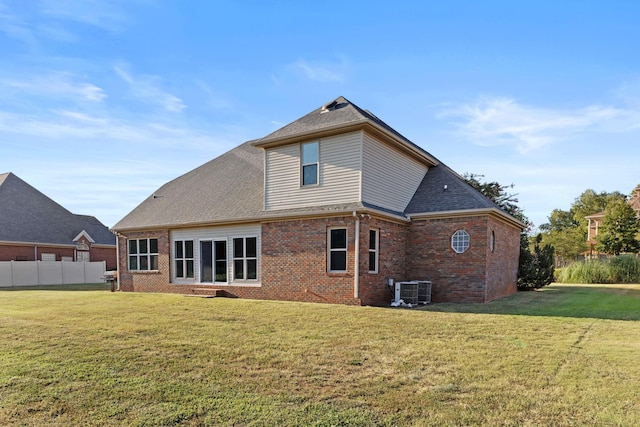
[337, 250]
[245, 258]
[309, 163]
[183, 259]
[373, 250]
[143, 254]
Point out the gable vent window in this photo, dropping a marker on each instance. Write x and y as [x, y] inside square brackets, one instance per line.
[310, 163]
[460, 241]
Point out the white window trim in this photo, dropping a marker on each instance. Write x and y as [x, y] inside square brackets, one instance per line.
[184, 259]
[138, 255]
[458, 240]
[302, 165]
[345, 249]
[244, 258]
[376, 250]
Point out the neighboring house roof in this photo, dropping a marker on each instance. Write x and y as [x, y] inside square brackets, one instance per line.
[28, 216]
[230, 188]
[596, 215]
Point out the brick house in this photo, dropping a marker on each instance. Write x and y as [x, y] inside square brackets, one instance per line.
[326, 209]
[595, 221]
[33, 227]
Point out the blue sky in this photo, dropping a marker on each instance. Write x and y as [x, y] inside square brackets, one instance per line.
[104, 101]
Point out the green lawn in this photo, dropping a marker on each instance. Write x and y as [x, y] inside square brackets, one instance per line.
[566, 355]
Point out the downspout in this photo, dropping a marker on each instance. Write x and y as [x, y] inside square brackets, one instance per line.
[356, 267]
[117, 262]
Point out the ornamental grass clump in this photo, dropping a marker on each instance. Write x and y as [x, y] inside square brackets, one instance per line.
[619, 269]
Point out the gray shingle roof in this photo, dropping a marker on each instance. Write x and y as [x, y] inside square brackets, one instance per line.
[230, 188]
[27, 215]
[340, 113]
[431, 195]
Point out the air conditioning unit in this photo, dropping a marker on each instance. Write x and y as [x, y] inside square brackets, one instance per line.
[413, 292]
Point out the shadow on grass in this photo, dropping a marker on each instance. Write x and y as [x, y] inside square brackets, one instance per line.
[74, 287]
[614, 302]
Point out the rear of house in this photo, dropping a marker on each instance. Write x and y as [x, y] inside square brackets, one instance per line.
[326, 209]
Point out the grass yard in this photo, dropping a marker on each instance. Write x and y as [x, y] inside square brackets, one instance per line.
[565, 355]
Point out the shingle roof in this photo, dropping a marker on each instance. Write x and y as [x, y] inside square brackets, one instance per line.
[27, 215]
[227, 187]
[230, 188]
[431, 195]
[338, 114]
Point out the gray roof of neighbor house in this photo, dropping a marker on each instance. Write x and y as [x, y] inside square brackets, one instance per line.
[230, 188]
[27, 215]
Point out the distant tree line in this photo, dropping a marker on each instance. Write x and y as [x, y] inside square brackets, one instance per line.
[566, 231]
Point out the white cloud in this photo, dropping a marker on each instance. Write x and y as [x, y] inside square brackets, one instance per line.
[504, 121]
[147, 88]
[59, 84]
[104, 14]
[323, 72]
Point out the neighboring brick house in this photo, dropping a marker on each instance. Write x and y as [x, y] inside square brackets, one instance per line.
[594, 221]
[325, 209]
[33, 227]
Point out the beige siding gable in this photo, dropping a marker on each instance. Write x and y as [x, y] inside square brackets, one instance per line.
[340, 166]
[389, 178]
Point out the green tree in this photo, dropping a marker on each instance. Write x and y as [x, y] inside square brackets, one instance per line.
[536, 268]
[565, 234]
[497, 193]
[619, 229]
[590, 203]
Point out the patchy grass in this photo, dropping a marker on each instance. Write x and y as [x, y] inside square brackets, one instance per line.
[566, 355]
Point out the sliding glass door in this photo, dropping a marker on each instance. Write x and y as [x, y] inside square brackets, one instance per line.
[213, 261]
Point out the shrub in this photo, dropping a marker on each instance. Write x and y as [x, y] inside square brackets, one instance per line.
[536, 268]
[625, 269]
[619, 269]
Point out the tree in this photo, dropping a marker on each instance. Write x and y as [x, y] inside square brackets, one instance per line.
[536, 268]
[619, 229]
[590, 203]
[498, 194]
[565, 234]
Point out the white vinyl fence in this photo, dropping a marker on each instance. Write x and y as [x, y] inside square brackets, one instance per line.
[34, 273]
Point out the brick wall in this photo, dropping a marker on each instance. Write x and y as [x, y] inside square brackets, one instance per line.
[146, 281]
[474, 276]
[502, 262]
[26, 252]
[294, 261]
[456, 277]
[374, 289]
